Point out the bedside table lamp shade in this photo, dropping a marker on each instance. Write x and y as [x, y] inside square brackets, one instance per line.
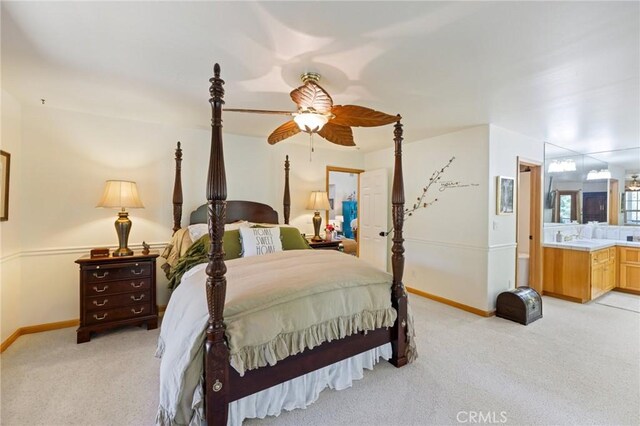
[122, 195]
[318, 200]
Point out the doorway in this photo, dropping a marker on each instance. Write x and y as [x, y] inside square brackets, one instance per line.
[529, 225]
[343, 189]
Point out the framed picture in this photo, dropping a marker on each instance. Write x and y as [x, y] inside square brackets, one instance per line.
[5, 164]
[504, 196]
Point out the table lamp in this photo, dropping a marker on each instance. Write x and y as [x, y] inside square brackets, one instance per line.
[318, 200]
[121, 194]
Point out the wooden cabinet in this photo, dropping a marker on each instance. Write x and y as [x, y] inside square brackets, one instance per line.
[117, 291]
[603, 271]
[578, 275]
[629, 270]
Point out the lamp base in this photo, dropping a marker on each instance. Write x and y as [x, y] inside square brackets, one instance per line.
[317, 221]
[122, 252]
[123, 227]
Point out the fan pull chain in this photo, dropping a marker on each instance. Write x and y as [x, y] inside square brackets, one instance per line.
[310, 145]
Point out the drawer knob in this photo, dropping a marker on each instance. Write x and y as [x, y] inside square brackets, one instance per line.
[100, 318]
[138, 272]
[104, 302]
[137, 299]
[100, 290]
[137, 312]
[95, 274]
[217, 386]
[134, 285]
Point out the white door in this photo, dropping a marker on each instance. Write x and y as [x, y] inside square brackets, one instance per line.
[374, 209]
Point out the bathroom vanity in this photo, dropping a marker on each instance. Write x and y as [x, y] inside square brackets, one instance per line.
[582, 270]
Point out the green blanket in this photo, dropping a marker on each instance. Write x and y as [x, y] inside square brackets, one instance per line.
[197, 253]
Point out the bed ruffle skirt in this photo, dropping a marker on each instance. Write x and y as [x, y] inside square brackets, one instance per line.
[299, 392]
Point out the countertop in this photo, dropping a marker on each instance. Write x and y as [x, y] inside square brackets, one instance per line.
[591, 245]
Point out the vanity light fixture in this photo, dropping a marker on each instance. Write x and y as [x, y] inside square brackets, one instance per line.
[562, 166]
[597, 175]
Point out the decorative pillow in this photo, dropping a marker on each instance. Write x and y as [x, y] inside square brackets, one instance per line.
[231, 244]
[260, 241]
[290, 236]
[197, 230]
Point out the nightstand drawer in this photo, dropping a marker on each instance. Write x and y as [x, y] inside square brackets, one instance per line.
[127, 312]
[99, 303]
[114, 287]
[120, 271]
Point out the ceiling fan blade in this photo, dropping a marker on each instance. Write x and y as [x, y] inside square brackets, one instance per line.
[259, 111]
[340, 135]
[354, 115]
[283, 132]
[311, 95]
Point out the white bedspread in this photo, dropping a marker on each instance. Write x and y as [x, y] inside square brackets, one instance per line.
[276, 305]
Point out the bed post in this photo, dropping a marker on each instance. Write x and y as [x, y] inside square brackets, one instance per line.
[398, 294]
[177, 191]
[216, 350]
[287, 198]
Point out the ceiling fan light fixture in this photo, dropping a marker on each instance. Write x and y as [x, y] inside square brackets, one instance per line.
[634, 185]
[309, 121]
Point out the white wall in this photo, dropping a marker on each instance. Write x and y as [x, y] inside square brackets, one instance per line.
[10, 241]
[452, 232]
[505, 148]
[68, 155]
[459, 248]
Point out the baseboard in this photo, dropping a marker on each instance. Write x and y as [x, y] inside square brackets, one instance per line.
[4, 345]
[563, 297]
[627, 290]
[462, 306]
[38, 328]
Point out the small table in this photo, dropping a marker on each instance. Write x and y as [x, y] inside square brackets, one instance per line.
[326, 245]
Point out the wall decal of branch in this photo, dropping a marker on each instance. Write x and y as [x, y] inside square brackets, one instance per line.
[435, 179]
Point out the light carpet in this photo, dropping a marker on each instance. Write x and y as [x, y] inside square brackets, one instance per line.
[619, 300]
[578, 365]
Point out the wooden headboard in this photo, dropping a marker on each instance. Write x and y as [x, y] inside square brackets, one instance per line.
[239, 210]
[235, 210]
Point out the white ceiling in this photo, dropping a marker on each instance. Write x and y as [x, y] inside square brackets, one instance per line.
[565, 72]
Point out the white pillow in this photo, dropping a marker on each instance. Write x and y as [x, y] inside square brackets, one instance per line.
[259, 241]
[199, 229]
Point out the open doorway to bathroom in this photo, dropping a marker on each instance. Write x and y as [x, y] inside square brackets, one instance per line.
[343, 188]
[528, 225]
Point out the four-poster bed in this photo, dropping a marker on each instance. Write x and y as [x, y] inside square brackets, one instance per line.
[222, 383]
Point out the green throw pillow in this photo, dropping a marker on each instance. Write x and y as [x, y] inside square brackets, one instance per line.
[291, 238]
[231, 244]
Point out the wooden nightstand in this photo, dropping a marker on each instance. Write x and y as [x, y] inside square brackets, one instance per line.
[326, 245]
[117, 291]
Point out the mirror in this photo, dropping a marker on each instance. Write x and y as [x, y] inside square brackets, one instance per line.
[343, 189]
[573, 193]
[577, 189]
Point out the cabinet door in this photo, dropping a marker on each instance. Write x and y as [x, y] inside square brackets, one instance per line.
[630, 276]
[610, 275]
[597, 280]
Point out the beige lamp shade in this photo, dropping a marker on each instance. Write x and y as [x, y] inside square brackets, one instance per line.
[318, 200]
[120, 194]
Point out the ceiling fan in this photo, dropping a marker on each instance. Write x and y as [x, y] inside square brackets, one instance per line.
[317, 114]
